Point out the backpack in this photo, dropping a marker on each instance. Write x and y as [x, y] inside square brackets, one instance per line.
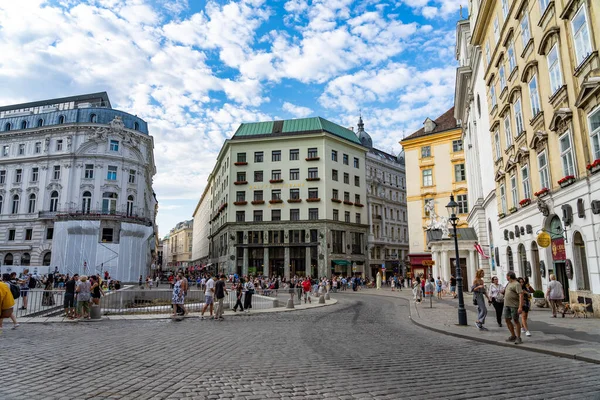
[32, 282]
[15, 291]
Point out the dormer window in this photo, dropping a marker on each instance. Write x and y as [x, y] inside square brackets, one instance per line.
[93, 118]
[429, 125]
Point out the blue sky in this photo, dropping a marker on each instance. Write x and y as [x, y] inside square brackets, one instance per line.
[196, 69]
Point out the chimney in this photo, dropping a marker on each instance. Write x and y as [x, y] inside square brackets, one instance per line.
[351, 128]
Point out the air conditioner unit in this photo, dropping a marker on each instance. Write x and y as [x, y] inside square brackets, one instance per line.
[580, 208]
[596, 206]
[567, 212]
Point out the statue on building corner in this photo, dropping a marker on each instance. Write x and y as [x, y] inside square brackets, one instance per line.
[378, 280]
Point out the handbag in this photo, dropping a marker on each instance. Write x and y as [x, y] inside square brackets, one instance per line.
[474, 301]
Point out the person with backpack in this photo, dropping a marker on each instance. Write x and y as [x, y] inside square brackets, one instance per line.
[15, 292]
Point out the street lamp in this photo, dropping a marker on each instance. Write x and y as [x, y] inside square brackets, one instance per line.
[462, 313]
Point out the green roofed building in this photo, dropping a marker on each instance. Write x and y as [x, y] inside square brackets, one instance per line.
[287, 198]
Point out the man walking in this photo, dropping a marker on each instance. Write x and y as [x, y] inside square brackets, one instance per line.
[220, 292]
[306, 289]
[513, 306]
[208, 297]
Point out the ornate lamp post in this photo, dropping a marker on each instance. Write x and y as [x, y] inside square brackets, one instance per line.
[462, 313]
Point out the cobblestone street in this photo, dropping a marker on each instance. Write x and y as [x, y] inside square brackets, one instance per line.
[363, 347]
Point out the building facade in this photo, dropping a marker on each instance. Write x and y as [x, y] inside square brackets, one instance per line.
[180, 245]
[76, 188]
[386, 205]
[287, 198]
[542, 72]
[201, 230]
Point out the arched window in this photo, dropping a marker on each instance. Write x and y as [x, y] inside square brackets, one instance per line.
[86, 202]
[8, 259]
[581, 269]
[46, 259]
[136, 126]
[61, 119]
[509, 259]
[522, 260]
[129, 206]
[15, 204]
[109, 203]
[31, 208]
[93, 118]
[26, 259]
[54, 201]
[7, 126]
[23, 124]
[40, 122]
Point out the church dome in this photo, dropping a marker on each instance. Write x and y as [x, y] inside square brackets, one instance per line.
[364, 137]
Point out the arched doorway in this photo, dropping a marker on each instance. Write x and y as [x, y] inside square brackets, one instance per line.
[580, 258]
[557, 249]
[8, 259]
[26, 259]
[522, 260]
[509, 259]
[535, 265]
[46, 259]
[493, 256]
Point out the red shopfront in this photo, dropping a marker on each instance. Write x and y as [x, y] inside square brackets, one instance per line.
[419, 264]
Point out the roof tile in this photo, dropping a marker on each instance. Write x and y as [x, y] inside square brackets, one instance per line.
[444, 122]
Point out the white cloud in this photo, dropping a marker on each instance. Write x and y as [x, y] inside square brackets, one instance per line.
[296, 111]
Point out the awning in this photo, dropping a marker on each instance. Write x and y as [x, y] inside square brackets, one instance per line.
[341, 262]
[417, 259]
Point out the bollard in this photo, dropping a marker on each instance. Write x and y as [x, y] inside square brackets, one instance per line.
[327, 296]
[321, 299]
[95, 313]
[290, 303]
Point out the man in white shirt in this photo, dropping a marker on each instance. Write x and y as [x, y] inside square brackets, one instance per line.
[209, 296]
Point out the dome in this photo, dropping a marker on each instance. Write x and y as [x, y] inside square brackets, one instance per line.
[364, 137]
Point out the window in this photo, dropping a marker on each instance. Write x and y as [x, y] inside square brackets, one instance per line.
[345, 159]
[488, 57]
[241, 157]
[240, 216]
[556, 80]
[7, 127]
[356, 180]
[514, 191]
[109, 202]
[31, 208]
[5, 150]
[114, 145]
[21, 149]
[356, 162]
[347, 196]
[258, 195]
[276, 194]
[346, 178]
[54, 201]
[507, 131]
[276, 174]
[28, 234]
[425, 151]
[525, 34]
[40, 122]
[38, 147]
[129, 206]
[518, 117]
[525, 180]
[534, 96]
[89, 171]
[313, 193]
[334, 155]
[497, 145]
[258, 156]
[463, 207]
[312, 152]
[334, 174]
[2, 177]
[357, 199]
[493, 95]
[313, 173]
[512, 62]
[11, 234]
[502, 78]
[581, 34]
[459, 173]
[427, 177]
[111, 175]
[86, 202]
[49, 233]
[93, 118]
[275, 215]
[357, 218]
[294, 174]
[496, 30]
[56, 172]
[595, 133]
[240, 196]
[276, 155]
[294, 154]
[107, 235]
[258, 216]
[18, 175]
[566, 154]
[59, 145]
[34, 174]
[335, 194]
[241, 177]
[258, 176]
[336, 215]
[294, 194]
[505, 8]
[457, 145]
[61, 119]
[131, 176]
[543, 169]
[313, 214]
[294, 214]
[136, 126]
[347, 216]
[543, 6]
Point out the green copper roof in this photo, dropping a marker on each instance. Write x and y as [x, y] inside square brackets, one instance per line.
[294, 126]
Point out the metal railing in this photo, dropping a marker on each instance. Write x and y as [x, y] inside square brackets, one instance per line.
[39, 303]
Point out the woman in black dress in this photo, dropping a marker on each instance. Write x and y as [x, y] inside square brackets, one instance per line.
[48, 296]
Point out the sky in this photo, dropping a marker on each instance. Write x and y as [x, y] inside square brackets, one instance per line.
[195, 70]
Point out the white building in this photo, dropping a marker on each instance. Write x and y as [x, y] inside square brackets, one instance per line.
[201, 231]
[287, 198]
[76, 188]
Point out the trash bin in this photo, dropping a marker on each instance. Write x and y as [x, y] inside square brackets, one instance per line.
[95, 312]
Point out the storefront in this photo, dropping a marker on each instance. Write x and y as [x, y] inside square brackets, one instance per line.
[419, 264]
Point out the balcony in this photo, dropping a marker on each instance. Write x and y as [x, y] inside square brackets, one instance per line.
[78, 214]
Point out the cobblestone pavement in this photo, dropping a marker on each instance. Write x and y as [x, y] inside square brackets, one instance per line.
[363, 347]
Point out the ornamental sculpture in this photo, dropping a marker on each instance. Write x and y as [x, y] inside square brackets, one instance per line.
[436, 222]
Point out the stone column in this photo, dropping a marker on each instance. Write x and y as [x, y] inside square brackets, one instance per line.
[436, 266]
[266, 262]
[445, 265]
[245, 262]
[307, 261]
[472, 266]
[286, 263]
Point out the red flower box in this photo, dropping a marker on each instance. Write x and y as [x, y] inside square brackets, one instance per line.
[566, 181]
[294, 200]
[240, 203]
[336, 200]
[240, 182]
[359, 205]
[276, 181]
[312, 158]
[348, 203]
[275, 201]
[313, 200]
[240, 163]
[594, 167]
[525, 202]
[542, 192]
[258, 202]
[313, 179]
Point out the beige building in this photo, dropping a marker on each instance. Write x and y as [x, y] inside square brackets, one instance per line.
[541, 68]
[179, 244]
[201, 230]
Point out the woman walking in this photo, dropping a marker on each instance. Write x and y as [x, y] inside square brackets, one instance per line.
[239, 293]
[96, 290]
[417, 292]
[178, 299]
[248, 296]
[555, 294]
[479, 293]
[495, 293]
[527, 290]
[48, 296]
[438, 287]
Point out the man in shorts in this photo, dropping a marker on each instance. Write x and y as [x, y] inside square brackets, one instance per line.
[220, 292]
[208, 297]
[306, 286]
[513, 307]
[453, 286]
[69, 302]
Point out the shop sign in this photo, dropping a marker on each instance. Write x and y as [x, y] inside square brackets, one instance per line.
[558, 249]
[427, 263]
[543, 239]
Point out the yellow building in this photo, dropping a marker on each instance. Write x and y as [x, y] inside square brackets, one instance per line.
[542, 71]
[435, 168]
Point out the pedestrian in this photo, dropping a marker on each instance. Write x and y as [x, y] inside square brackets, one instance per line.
[249, 286]
[157, 281]
[15, 293]
[306, 289]
[7, 303]
[140, 282]
[417, 291]
[527, 290]
[69, 300]
[291, 288]
[438, 287]
[239, 293]
[479, 292]
[48, 296]
[220, 292]
[513, 306]
[495, 293]
[453, 286]
[96, 291]
[209, 297]
[555, 294]
[83, 294]
[178, 299]
[25, 283]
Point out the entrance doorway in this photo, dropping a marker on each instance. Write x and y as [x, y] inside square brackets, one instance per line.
[581, 268]
[560, 271]
[535, 264]
[463, 272]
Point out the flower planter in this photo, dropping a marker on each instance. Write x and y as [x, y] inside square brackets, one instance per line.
[594, 167]
[313, 200]
[542, 192]
[275, 201]
[294, 200]
[540, 302]
[312, 158]
[240, 182]
[501, 215]
[276, 181]
[240, 163]
[258, 202]
[348, 203]
[525, 202]
[359, 205]
[240, 203]
[512, 210]
[313, 179]
[566, 183]
[336, 200]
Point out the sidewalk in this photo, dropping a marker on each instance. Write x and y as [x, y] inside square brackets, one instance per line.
[227, 313]
[575, 338]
